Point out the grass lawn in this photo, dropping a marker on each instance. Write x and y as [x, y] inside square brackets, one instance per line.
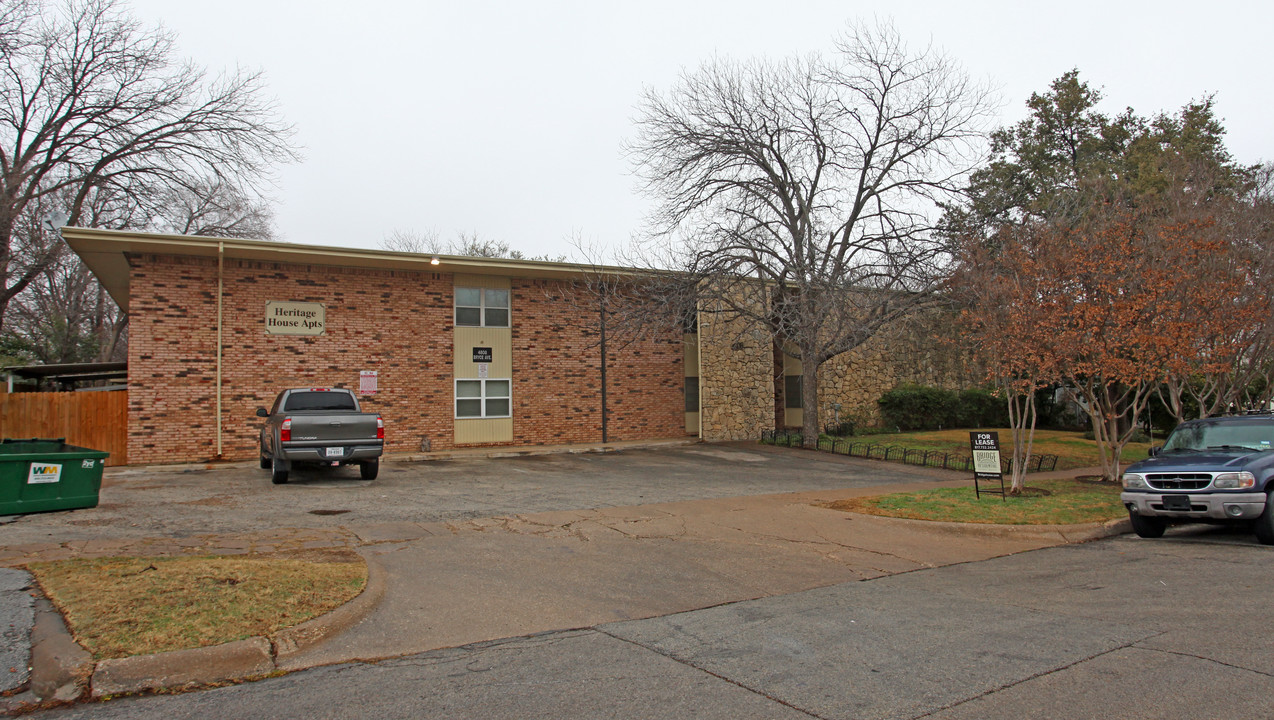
[1071, 449]
[118, 607]
[1046, 502]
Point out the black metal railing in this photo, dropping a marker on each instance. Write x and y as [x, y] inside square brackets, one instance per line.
[868, 450]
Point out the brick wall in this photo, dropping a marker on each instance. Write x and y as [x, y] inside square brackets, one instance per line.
[397, 323]
[557, 376]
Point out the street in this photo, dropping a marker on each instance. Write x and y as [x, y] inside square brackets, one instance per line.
[1109, 629]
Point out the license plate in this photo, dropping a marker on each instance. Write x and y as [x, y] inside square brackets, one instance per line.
[1176, 502]
[335, 452]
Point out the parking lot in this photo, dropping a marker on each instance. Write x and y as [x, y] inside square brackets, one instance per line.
[239, 498]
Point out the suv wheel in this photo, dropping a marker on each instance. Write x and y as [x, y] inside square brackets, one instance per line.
[1264, 526]
[1147, 526]
[369, 468]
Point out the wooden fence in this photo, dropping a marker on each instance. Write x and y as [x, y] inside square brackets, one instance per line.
[97, 420]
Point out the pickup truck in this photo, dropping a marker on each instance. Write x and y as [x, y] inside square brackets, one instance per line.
[323, 426]
[1215, 470]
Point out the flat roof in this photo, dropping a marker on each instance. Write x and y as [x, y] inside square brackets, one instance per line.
[105, 253]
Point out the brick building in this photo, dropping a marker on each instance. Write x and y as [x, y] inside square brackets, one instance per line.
[452, 351]
[460, 352]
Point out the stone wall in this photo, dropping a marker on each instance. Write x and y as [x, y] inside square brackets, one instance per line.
[743, 393]
[919, 352]
[736, 387]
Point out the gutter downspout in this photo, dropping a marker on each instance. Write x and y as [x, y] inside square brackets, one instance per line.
[221, 259]
[605, 435]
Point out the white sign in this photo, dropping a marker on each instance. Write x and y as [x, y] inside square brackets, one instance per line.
[367, 382]
[44, 473]
[294, 318]
[484, 370]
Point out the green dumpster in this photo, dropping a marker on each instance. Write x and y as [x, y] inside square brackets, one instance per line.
[38, 475]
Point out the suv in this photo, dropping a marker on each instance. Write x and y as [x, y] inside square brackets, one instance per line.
[1215, 470]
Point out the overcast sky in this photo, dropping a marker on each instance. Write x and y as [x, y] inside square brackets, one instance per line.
[507, 118]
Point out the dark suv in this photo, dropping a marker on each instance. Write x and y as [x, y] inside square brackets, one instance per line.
[1216, 470]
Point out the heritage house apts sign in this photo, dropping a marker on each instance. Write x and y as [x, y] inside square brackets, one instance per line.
[295, 318]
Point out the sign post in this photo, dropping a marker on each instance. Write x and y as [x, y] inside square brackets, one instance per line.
[985, 447]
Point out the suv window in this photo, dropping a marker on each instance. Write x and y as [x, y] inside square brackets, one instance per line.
[319, 400]
[1221, 435]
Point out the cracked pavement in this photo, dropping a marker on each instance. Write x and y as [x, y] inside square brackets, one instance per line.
[625, 594]
[1110, 629]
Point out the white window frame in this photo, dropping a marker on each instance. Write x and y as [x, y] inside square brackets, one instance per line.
[482, 306]
[483, 397]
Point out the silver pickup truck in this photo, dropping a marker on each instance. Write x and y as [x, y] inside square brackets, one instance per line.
[324, 426]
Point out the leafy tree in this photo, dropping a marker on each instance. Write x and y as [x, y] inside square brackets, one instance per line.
[1110, 308]
[1157, 201]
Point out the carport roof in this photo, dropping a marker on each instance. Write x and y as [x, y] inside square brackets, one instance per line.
[105, 253]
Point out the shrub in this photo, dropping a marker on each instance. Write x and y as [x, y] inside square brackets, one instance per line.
[918, 407]
[979, 408]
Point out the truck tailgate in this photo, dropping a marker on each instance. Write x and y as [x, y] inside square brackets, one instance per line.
[319, 428]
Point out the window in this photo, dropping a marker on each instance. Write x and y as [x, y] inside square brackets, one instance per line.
[792, 392]
[482, 307]
[483, 398]
[692, 394]
[319, 400]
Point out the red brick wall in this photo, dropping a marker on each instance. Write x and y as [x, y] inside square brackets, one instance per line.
[397, 323]
[557, 376]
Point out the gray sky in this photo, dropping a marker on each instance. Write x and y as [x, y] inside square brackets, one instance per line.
[506, 118]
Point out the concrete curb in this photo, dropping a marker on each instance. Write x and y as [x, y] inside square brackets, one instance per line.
[64, 671]
[1065, 534]
[290, 642]
[60, 668]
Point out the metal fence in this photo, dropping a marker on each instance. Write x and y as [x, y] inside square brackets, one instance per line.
[858, 447]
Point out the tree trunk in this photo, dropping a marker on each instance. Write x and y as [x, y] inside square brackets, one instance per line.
[1022, 416]
[780, 389]
[809, 399]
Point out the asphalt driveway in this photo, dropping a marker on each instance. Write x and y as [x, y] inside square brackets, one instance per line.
[239, 498]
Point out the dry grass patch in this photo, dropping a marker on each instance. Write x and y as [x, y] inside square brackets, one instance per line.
[119, 607]
[1046, 502]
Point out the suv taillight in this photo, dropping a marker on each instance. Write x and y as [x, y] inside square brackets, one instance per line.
[285, 430]
[380, 429]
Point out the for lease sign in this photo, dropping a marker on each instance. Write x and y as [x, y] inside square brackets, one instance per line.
[986, 455]
[295, 318]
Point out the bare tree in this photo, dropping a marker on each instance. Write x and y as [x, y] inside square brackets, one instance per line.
[98, 115]
[801, 193]
[214, 209]
[466, 244]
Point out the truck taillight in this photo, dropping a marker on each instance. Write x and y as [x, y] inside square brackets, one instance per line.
[380, 429]
[285, 430]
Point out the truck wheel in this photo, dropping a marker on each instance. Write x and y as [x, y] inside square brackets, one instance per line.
[1147, 526]
[265, 459]
[368, 469]
[280, 473]
[1264, 526]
